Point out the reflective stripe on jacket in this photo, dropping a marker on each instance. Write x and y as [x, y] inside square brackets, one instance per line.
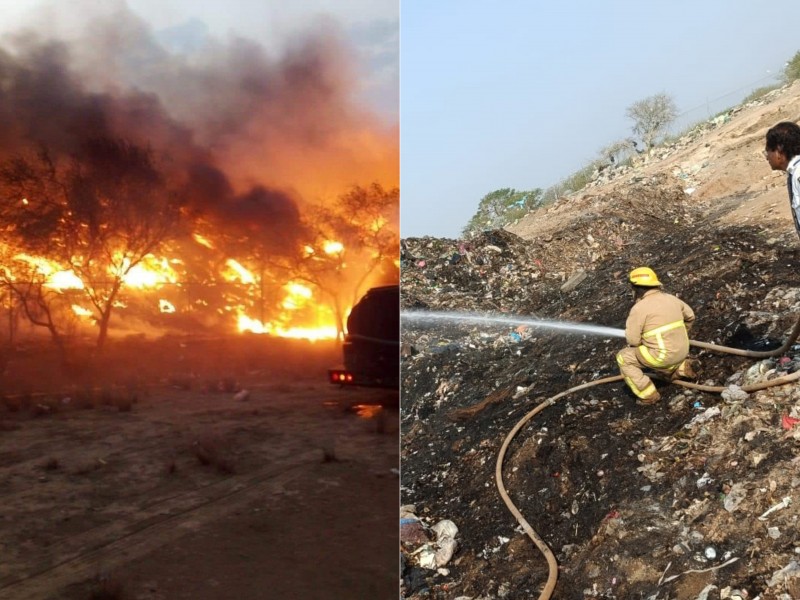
[658, 324]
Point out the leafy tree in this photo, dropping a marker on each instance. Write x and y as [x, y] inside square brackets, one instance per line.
[500, 207]
[98, 214]
[791, 71]
[651, 117]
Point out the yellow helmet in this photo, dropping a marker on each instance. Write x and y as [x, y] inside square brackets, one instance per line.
[645, 277]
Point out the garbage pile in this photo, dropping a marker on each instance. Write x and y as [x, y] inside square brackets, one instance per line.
[635, 502]
[696, 497]
[499, 271]
[491, 272]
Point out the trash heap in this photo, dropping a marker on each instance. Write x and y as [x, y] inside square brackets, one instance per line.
[491, 272]
[696, 498]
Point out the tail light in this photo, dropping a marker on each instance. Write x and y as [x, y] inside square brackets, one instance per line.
[340, 376]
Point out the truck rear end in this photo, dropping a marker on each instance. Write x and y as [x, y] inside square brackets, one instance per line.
[371, 348]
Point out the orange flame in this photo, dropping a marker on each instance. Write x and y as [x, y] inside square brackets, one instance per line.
[298, 296]
[325, 332]
[150, 272]
[333, 247]
[55, 277]
[80, 311]
[236, 271]
[203, 241]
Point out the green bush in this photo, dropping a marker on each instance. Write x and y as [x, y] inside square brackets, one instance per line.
[759, 93]
[792, 69]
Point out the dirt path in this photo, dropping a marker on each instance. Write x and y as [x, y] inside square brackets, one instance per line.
[199, 495]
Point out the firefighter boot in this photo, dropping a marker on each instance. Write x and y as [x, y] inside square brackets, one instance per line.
[653, 398]
[685, 371]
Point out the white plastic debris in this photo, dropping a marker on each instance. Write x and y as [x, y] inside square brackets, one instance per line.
[735, 497]
[782, 504]
[710, 553]
[447, 547]
[709, 414]
[706, 590]
[426, 556]
[704, 481]
[445, 529]
[787, 572]
[733, 393]
[774, 533]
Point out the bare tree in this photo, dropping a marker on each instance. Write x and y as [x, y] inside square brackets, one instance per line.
[651, 117]
[99, 214]
[43, 305]
[616, 152]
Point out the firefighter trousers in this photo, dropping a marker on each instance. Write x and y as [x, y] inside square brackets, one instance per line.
[631, 363]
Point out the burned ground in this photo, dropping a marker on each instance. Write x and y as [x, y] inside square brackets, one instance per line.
[626, 496]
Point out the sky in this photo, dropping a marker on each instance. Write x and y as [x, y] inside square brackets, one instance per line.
[371, 26]
[526, 93]
[298, 98]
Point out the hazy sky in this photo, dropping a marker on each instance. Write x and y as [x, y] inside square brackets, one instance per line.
[370, 25]
[523, 94]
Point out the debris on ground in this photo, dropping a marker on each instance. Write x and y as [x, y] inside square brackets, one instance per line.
[696, 497]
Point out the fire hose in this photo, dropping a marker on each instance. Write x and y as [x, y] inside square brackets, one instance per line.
[552, 565]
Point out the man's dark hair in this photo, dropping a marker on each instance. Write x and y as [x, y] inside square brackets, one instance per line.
[784, 136]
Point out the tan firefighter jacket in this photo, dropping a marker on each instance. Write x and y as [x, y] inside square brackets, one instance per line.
[658, 325]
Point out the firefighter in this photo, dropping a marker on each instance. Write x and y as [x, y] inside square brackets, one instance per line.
[657, 331]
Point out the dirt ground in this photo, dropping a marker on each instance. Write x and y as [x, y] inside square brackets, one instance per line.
[201, 469]
[635, 502]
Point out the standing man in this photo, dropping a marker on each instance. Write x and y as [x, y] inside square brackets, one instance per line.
[657, 334]
[782, 152]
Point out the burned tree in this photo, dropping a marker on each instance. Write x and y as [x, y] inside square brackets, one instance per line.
[353, 240]
[97, 214]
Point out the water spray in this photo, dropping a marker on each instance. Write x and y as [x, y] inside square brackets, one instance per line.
[514, 320]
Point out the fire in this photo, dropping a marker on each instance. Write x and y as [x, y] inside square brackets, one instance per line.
[297, 296]
[64, 280]
[80, 311]
[325, 332]
[378, 224]
[332, 247]
[150, 272]
[203, 241]
[55, 277]
[300, 314]
[237, 271]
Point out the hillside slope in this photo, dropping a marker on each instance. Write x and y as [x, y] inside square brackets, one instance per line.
[636, 502]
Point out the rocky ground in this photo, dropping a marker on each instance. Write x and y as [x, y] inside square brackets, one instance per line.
[636, 502]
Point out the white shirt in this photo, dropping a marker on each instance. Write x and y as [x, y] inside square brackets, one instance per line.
[794, 195]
